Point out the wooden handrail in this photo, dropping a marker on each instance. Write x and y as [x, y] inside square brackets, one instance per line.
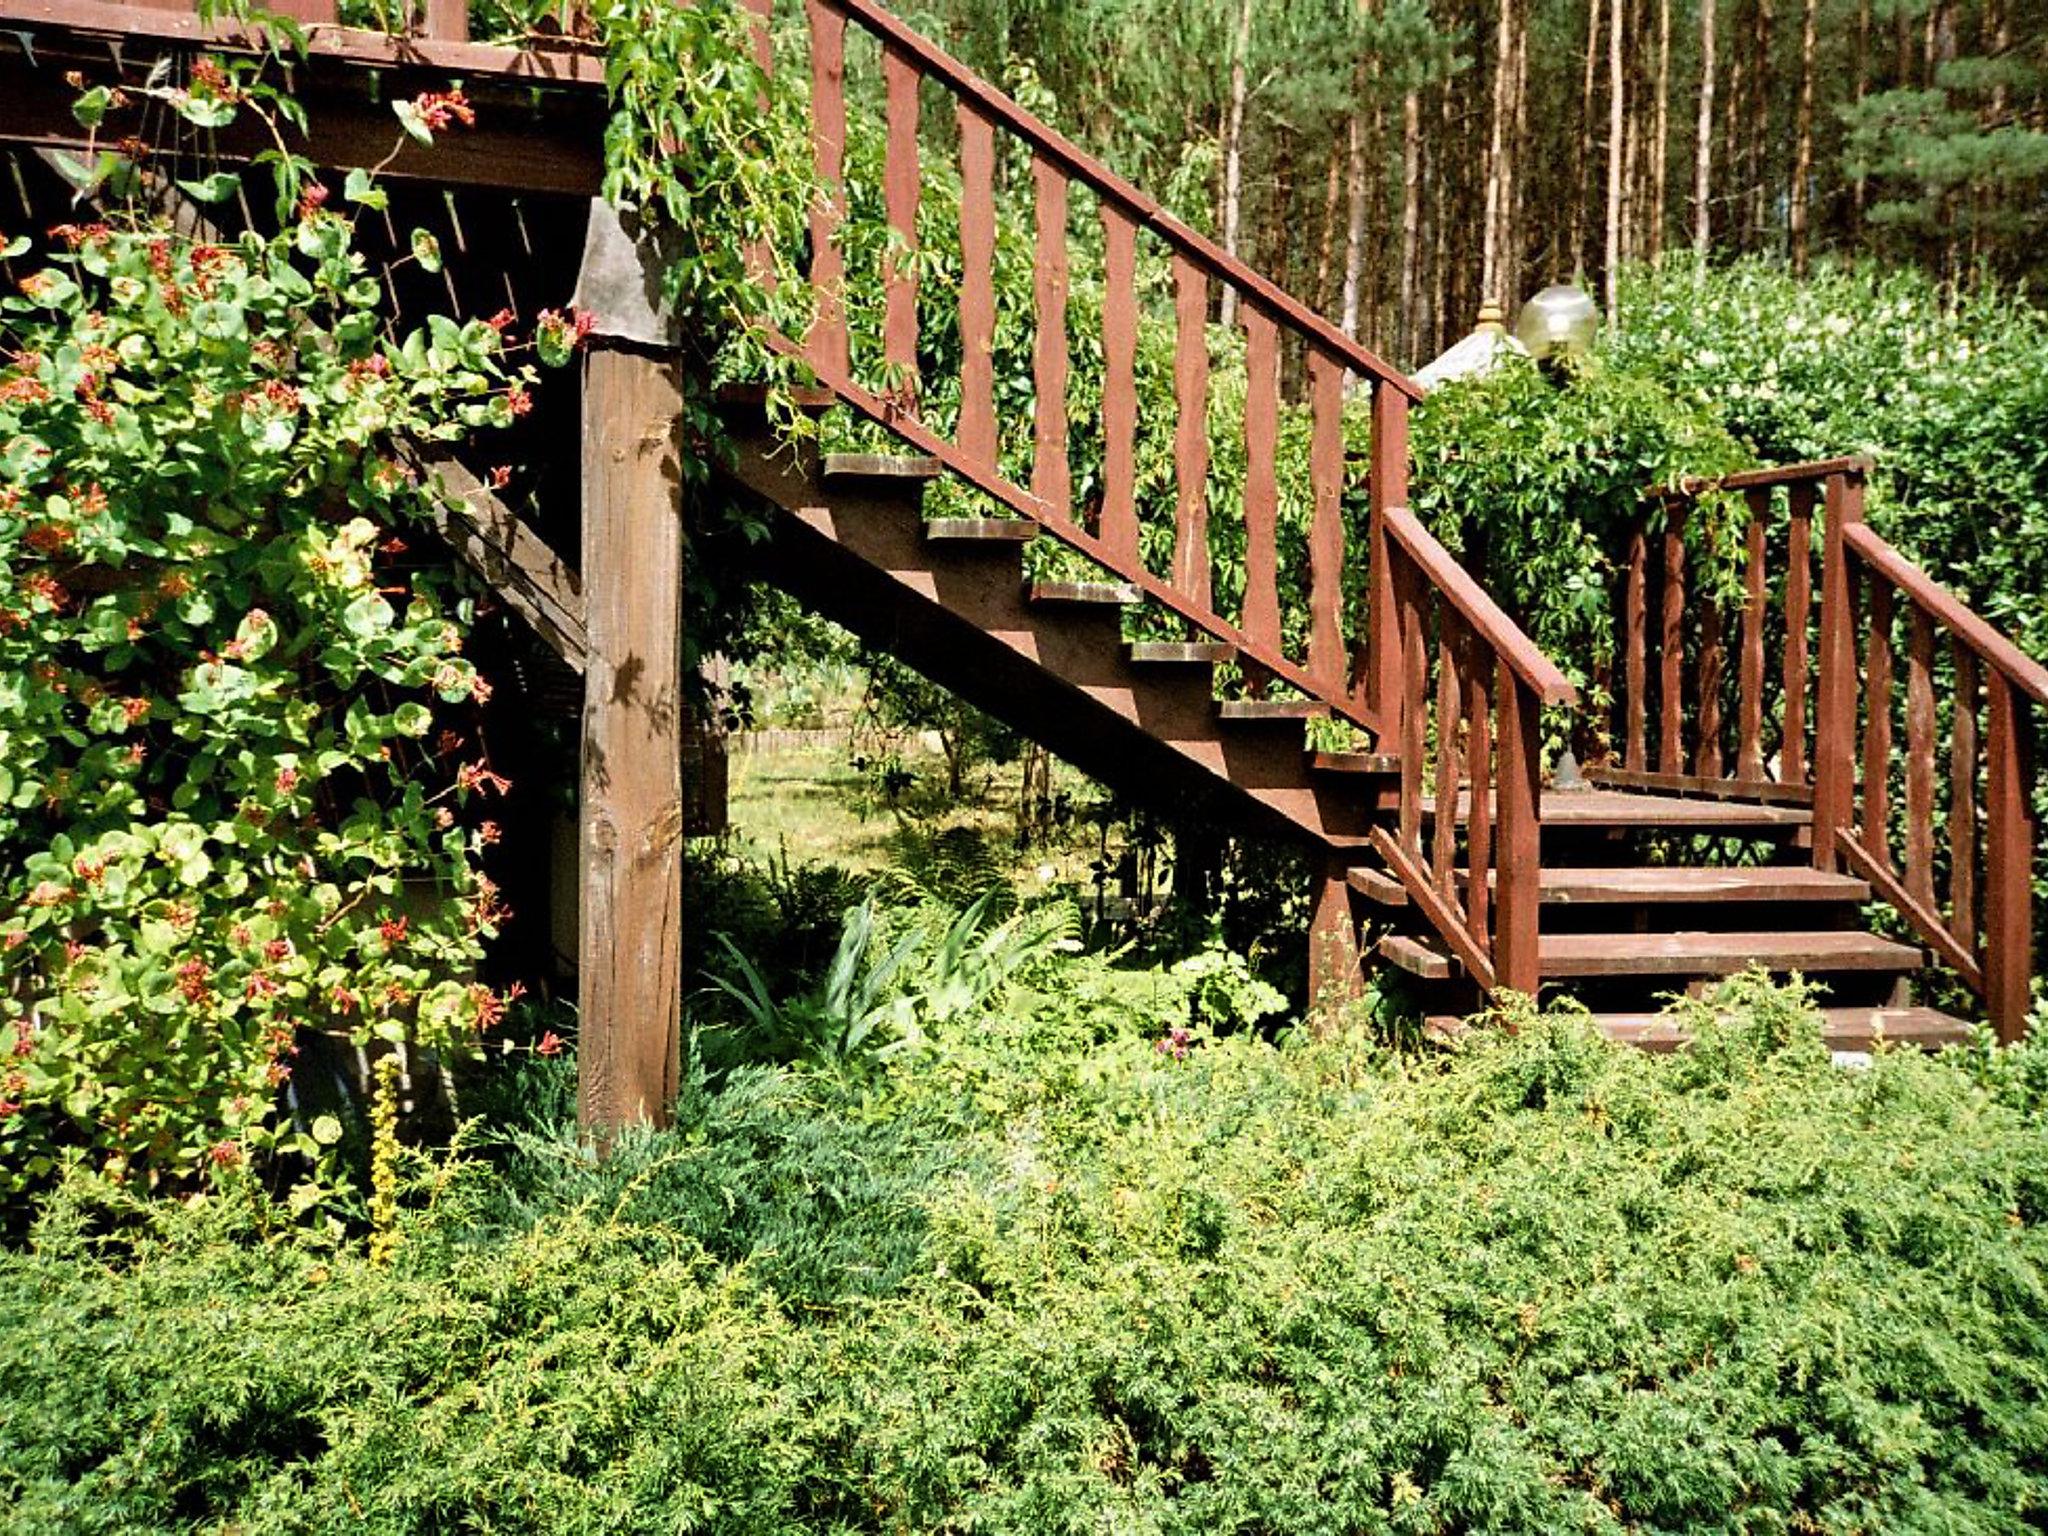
[1516, 650]
[1941, 605]
[1076, 162]
[1773, 474]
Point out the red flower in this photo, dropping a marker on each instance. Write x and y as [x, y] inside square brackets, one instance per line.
[392, 930]
[549, 1044]
[437, 109]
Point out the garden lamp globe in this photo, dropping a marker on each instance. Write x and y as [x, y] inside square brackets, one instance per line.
[1560, 322]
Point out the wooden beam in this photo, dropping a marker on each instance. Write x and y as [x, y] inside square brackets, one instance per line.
[1334, 977]
[492, 540]
[630, 961]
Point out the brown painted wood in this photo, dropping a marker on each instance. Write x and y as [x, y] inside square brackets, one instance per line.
[1749, 750]
[1411, 737]
[1629, 809]
[991, 483]
[1921, 915]
[1009, 531]
[828, 340]
[2021, 670]
[911, 469]
[1764, 791]
[1963, 852]
[630, 958]
[1388, 488]
[1811, 472]
[977, 430]
[1050, 479]
[1841, 1029]
[1048, 145]
[1798, 619]
[1877, 723]
[1441, 915]
[1270, 710]
[1518, 777]
[1443, 843]
[446, 20]
[1713, 674]
[1635, 645]
[899, 207]
[1479, 771]
[1834, 752]
[1491, 627]
[1326, 655]
[2011, 837]
[1191, 430]
[1671, 644]
[1261, 618]
[1119, 381]
[1334, 976]
[497, 544]
[1920, 757]
[1717, 953]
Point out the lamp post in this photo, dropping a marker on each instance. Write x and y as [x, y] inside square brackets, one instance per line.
[1558, 323]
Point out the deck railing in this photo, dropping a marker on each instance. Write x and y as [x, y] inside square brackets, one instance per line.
[1817, 710]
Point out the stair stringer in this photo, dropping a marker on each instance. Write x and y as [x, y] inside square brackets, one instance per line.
[1059, 674]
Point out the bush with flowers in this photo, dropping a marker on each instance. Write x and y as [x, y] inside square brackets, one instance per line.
[239, 775]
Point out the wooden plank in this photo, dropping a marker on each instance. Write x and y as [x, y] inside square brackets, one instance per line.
[1410, 737]
[1443, 842]
[1518, 779]
[630, 959]
[1261, 617]
[977, 430]
[1765, 791]
[1326, 656]
[1718, 953]
[1671, 643]
[1050, 481]
[2020, 669]
[447, 21]
[1877, 723]
[2010, 840]
[1963, 854]
[1627, 809]
[1749, 750]
[1920, 757]
[1191, 431]
[1119, 381]
[1921, 915]
[1334, 976]
[1781, 474]
[1635, 644]
[1834, 771]
[1441, 916]
[899, 208]
[1798, 618]
[828, 341]
[1841, 1029]
[1713, 674]
[1388, 489]
[1479, 772]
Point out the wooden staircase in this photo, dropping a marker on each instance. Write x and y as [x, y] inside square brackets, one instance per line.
[1740, 817]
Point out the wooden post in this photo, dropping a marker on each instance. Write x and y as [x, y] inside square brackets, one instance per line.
[631, 825]
[1517, 961]
[1388, 487]
[2011, 837]
[1334, 977]
[1834, 748]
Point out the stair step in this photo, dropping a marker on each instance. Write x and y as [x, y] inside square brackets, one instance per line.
[1182, 652]
[893, 468]
[1118, 593]
[1841, 1029]
[1562, 956]
[741, 398]
[1271, 709]
[1624, 809]
[1639, 885]
[1355, 762]
[980, 530]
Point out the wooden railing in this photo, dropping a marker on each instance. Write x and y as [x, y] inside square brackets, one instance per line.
[1811, 710]
[1474, 724]
[1325, 657]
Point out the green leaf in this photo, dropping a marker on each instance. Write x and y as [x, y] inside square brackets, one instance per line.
[326, 1130]
[409, 118]
[360, 189]
[91, 107]
[426, 250]
[217, 188]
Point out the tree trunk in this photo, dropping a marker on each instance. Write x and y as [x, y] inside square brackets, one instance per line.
[1513, 243]
[1582, 191]
[1615, 167]
[1760, 124]
[1802, 153]
[1496, 155]
[1326, 243]
[1660, 131]
[1233, 146]
[1411, 220]
[1861, 89]
[1733, 197]
[1354, 233]
[1703, 145]
[1376, 218]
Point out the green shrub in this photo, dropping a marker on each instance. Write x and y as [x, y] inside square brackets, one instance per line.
[1057, 1279]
